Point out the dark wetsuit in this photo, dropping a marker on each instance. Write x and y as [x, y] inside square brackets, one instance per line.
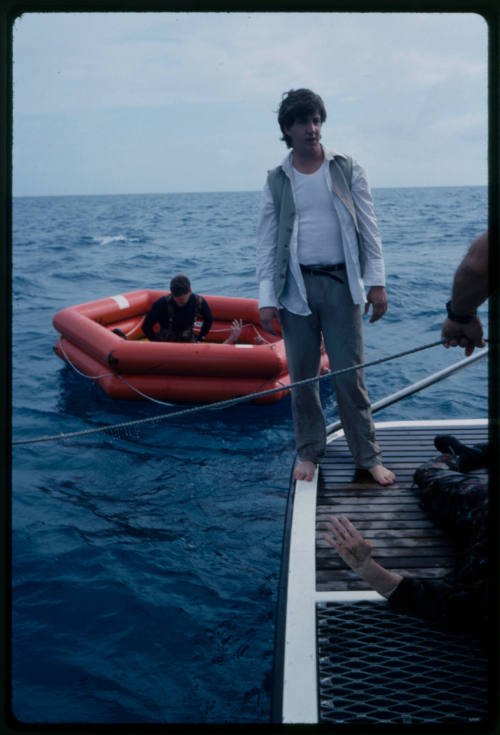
[458, 503]
[176, 322]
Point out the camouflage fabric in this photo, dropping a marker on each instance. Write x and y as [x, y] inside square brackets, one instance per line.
[458, 503]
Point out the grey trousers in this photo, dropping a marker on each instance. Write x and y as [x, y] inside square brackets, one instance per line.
[339, 320]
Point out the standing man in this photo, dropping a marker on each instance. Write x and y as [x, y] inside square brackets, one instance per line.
[318, 246]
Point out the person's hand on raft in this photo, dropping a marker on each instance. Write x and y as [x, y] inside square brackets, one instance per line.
[234, 335]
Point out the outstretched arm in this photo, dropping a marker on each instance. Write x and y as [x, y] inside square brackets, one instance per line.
[470, 284]
[470, 289]
[356, 552]
[236, 327]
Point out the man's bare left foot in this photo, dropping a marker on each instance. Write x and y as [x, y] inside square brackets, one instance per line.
[305, 470]
[382, 475]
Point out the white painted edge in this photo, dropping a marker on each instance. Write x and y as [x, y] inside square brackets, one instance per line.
[300, 681]
[336, 435]
[299, 673]
[348, 596]
[121, 301]
[432, 422]
[424, 422]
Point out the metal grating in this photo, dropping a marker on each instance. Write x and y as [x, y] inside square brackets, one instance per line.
[380, 666]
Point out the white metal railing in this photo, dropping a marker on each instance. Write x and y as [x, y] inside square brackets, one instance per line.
[418, 386]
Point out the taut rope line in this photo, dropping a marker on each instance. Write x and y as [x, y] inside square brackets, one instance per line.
[227, 403]
[90, 377]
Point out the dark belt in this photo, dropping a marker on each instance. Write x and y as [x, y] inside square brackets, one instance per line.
[324, 270]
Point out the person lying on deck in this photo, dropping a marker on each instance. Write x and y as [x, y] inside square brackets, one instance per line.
[457, 502]
[176, 314]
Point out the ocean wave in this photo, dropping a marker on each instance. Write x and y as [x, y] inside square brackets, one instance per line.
[108, 239]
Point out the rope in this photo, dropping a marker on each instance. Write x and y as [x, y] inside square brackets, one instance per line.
[89, 377]
[129, 385]
[227, 403]
[262, 339]
[143, 395]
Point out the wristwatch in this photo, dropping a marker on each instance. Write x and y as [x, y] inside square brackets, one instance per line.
[460, 318]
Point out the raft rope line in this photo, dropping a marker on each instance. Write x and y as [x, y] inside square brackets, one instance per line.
[110, 375]
[164, 403]
[227, 403]
[89, 377]
[136, 390]
[261, 341]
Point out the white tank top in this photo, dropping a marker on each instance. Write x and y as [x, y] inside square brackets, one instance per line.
[319, 236]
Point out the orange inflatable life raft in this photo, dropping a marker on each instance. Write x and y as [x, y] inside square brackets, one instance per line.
[198, 372]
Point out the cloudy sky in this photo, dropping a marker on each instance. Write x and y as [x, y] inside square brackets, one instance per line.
[112, 103]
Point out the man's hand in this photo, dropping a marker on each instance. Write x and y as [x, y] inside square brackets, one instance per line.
[463, 335]
[267, 316]
[345, 537]
[377, 297]
[234, 335]
[356, 552]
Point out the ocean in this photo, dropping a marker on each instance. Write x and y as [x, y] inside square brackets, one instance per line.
[145, 562]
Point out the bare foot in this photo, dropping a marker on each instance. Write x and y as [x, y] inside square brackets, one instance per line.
[382, 475]
[305, 470]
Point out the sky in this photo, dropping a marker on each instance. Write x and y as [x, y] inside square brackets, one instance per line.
[132, 103]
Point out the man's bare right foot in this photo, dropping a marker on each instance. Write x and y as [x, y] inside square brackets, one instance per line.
[382, 475]
[305, 470]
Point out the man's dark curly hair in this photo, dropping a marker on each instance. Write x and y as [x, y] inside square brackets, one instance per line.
[298, 103]
[180, 285]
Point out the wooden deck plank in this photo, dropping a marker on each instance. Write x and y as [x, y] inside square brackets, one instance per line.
[403, 538]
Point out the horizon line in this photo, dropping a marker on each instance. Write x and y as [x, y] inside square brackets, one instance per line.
[233, 191]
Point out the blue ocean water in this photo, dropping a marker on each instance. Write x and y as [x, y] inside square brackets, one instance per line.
[146, 561]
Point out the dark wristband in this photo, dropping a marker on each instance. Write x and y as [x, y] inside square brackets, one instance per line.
[460, 318]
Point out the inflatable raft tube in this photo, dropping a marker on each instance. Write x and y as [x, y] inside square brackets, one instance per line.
[184, 372]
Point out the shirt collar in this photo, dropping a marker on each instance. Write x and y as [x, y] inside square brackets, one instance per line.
[329, 154]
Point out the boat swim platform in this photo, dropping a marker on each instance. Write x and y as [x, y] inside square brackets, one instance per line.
[403, 538]
[348, 658]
